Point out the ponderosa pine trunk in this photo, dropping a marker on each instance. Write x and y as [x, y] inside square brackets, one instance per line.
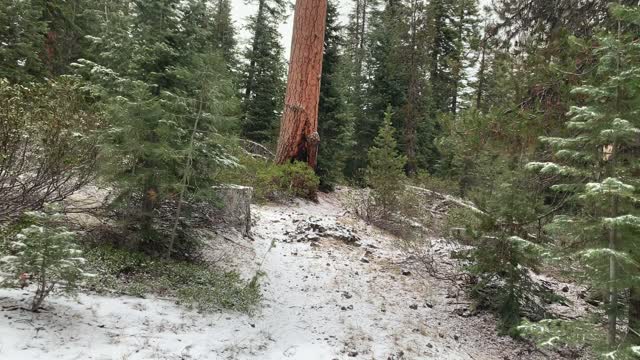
[299, 137]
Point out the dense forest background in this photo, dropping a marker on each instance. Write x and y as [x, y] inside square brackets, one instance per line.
[527, 108]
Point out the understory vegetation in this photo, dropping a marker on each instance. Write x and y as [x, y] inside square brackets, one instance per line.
[194, 284]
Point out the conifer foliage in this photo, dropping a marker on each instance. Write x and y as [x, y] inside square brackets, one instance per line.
[598, 162]
[263, 74]
[385, 172]
[44, 254]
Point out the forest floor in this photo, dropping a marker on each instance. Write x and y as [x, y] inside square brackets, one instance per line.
[325, 296]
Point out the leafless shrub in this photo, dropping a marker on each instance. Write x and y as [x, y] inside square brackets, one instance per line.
[47, 145]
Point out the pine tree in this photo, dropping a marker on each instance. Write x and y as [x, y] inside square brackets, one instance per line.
[21, 32]
[170, 98]
[599, 162]
[466, 21]
[263, 75]
[387, 85]
[45, 254]
[334, 125]
[224, 35]
[442, 48]
[385, 170]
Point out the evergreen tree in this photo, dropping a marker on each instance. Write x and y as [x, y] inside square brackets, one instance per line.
[387, 83]
[353, 70]
[169, 102]
[465, 21]
[21, 32]
[442, 38]
[263, 75]
[224, 35]
[334, 125]
[385, 170]
[45, 254]
[599, 163]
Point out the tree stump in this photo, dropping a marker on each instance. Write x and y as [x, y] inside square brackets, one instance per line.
[236, 206]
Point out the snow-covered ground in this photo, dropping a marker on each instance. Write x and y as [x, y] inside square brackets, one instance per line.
[323, 299]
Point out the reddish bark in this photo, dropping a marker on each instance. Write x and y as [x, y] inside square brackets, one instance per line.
[299, 138]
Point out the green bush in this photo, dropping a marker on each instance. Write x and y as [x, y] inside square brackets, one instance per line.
[273, 182]
[195, 285]
[287, 181]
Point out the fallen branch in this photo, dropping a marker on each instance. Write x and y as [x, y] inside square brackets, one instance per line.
[448, 198]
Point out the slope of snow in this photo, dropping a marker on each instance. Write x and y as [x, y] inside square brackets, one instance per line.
[323, 299]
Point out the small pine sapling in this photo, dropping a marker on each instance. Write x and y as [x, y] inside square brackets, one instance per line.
[44, 255]
[385, 172]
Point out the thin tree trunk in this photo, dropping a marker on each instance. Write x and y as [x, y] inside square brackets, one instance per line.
[185, 181]
[633, 329]
[458, 66]
[613, 293]
[299, 137]
[481, 74]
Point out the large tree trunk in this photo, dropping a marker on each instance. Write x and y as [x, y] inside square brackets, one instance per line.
[299, 137]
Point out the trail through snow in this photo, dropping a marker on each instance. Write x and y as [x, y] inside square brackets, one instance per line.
[323, 299]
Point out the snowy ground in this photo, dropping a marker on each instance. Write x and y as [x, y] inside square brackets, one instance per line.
[323, 299]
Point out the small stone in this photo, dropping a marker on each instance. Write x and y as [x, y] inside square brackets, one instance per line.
[565, 289]
[352, 353]
[364, 260]
[413, 306]
[428, 304]
[429, 345]
[462, 312]
[406, 272]
[346, 295]
[456, 337]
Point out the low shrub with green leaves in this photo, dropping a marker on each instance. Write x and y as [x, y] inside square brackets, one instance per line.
[286, 181]
[195, 285]
[273, 182]
[44, 254]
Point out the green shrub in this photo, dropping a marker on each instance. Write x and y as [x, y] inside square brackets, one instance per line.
[195, 285]
[273, 182]
[286, 181]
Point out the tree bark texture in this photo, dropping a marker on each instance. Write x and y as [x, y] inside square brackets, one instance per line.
[299, 137]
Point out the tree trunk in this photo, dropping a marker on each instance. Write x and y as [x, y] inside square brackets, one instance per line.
[633, 330]
[613, 291]
[299, 137]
